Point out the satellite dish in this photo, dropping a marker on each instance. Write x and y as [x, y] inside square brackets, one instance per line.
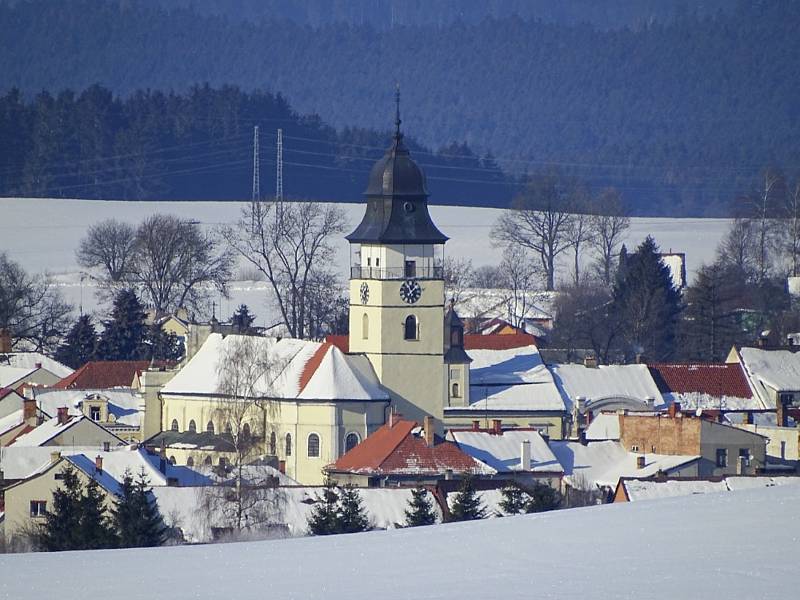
[698, 412]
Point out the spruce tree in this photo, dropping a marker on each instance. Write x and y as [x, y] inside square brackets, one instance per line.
[61, 529]
[514, 499]
[351, 517]
[162, 345]
[135, 514]
[242, 319]
[80, 345]
[323, 517]
[96, 530]
[420, 509]
[541, 498]
[124, 335]
[467, 506]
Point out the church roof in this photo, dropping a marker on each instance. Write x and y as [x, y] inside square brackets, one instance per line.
[397, 200]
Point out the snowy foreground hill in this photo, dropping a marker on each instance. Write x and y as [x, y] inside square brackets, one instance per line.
[733, 546]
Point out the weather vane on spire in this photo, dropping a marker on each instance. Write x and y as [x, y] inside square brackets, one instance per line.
[397, 120]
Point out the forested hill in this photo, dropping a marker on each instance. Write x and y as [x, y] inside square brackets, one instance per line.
[680, 115]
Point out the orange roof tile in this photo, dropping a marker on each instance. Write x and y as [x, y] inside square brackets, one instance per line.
[313, 364]
[104, 374]
[476, 341]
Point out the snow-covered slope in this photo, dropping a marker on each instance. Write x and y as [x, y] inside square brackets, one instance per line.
[735, 546]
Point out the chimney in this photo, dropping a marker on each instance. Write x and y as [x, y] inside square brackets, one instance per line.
[781, 415]
[674, 409]
[641, 359]
[476, 425]
[98, 463]
[525, 455]
[429, 431]
[55, 457]
[5, 341]
[282, 466]
[63, 415]
[640, 462]
[650, 402]
[37, 365]
[497, 427]
[747, 418]
[29, 412]
[448, 474]
[590, 361]
[106, 446]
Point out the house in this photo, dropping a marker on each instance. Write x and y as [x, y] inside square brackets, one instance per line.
[634, 489]
[308, 404]
[508, 381]
[104, 374]
[724, 449]
[35, 360]
[120, 410]
[67, 430]
[10, 401]
[520, 454]
[27, 501]
[401, 453]
[20, 421]
[774, 377]
[599, 465]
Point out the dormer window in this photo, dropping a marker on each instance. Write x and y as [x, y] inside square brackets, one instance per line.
[94, 413]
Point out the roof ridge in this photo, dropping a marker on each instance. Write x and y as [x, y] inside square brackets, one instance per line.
[312, 364]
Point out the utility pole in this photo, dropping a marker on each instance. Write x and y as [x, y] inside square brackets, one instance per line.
[279, 167]
[256, 161]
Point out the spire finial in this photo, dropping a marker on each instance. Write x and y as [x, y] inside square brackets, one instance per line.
[397, 120]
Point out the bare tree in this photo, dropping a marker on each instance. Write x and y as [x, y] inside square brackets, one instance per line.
[579, 228]
[539, 220]
[246, 497]
[608, 225]
[176, 264]
[288, 242]
[327, 306]
[791, 230]
[31, 309]
[737, 249]
[457, 277]
[108, 246]
[487, 277]
[521, 278]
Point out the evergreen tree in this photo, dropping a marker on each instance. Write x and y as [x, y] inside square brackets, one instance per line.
[467, 506]
[242, 319]
[162, 345]
[96, 530]
[541, 498]
[136, 516]
[644, 298]
[80, 345]
[514, 499]
[323, 517]
[124, 335]
[351, 517]
[420, 509]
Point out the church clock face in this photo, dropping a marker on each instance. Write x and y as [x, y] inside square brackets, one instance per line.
[364, 293]
[410, 291]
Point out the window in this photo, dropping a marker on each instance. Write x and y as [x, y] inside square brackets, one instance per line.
[635, 448]
[722, 457]
[207, 461]
[288, 444]
[223, 461]
[313, 446]
[455, 338]
[783, 450]
[190, 462]
[210, 427]
[364, 326]
[174, 426]
[411, 269]
[38, 508]
[456, 391]
[351, 441]
[246, 431]
[744, 456]
[455, 373]
[369, 261]
[410, 328]
[787, 398]
[192, 426]
[95, 413]
[377, 262]
[653, 449]
[172, 460]
[273, 443]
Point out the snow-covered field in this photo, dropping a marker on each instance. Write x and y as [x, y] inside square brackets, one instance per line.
[42, 234]
[737, 545]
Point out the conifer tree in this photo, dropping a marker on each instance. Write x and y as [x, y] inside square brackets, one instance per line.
[541, 498]
[351, 517]
[61, 528]
[96, 530]
[124, 335]
[163, 345]
[242, 319]
[467, 506]
[136, 516]
[80, 345]
[323, 517]
[514, 499]
[420, 509]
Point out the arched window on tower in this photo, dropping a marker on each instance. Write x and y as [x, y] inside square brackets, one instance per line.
[313, 445]
[174, 426]
[210, 427]
[365, 326]
[456, 391]
[288, 444]
[410, 328]
[246, 431]
[192, 426]
[273, 442]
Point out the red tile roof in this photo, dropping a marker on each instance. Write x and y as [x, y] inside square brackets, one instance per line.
[104, 374]
[476, 341]
[394, 449]
[313, 364]
[715, 379]
[342, 342]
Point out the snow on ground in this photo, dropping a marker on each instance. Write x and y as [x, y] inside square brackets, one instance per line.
[735, 546]
[43, 234]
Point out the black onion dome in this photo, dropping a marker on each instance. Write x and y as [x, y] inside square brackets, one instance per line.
[397, 202]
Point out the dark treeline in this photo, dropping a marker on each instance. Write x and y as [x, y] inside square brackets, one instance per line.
[199, 145]
[678, 114]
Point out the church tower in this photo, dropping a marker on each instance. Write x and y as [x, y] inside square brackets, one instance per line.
[397, 285]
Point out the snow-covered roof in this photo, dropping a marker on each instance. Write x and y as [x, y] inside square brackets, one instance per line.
[124, 403]
[14, 376]
[606, 383]
[21, 462]
[604, 426]
[702, 401]
[603, 463]
[30, 360]
[777, 369]
[498, 302]
[511, 379]
[301, 369]
[637, 490]
[10, 421]
[502, 453]
[49, 429]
